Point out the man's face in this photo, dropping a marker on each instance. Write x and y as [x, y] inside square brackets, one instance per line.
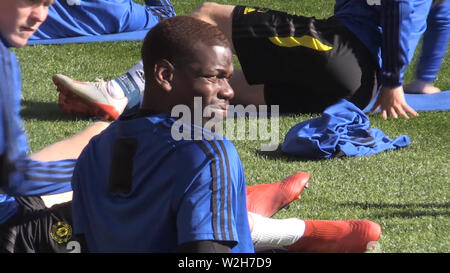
[19, 19]
[207, 77]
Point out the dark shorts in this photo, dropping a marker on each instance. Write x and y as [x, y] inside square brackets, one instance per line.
[305, 64]
[36, 228]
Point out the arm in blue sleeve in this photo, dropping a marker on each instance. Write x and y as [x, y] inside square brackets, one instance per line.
[20, 175]
[40, 178]
[403, 23]
[396, 25]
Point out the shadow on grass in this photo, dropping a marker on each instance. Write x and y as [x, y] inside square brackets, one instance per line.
[46, 111]
[408, 210]
[278, 154]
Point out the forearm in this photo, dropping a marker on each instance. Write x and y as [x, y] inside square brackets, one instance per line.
[29, 177]
[394, 49]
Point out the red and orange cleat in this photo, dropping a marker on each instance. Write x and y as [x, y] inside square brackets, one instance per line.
[267, 199]
[324, 236]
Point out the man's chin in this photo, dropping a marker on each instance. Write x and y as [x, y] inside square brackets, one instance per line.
[216, 113]
[18, 41]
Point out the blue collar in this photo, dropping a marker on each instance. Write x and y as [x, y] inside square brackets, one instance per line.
[4, 42]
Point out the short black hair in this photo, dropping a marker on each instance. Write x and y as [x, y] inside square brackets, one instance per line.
[174, 40]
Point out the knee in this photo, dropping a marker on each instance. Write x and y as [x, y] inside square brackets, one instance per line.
[99, 126]
[206, 12]
[206, 8]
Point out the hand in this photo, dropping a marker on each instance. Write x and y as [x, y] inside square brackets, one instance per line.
[392, 102]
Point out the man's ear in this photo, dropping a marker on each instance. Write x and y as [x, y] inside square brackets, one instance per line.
[164, 74]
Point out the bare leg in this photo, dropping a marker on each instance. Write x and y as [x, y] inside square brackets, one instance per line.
[420, 87]
[217, 15]
[221, 16]
[67, 149]
[59, 198]
[244, 93]
[71, 147]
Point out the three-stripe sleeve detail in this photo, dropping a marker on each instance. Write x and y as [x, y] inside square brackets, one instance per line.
[227, 165]
[221, 189]
[52, 172]
[391, 43]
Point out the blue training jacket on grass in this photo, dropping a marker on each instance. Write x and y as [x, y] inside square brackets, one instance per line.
[137, 189]
[390, 29]
[20, 175]
[342, 130]
[73, 18]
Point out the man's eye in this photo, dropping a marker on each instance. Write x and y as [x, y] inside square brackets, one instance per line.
[212, 78]
[38, 2]
[216, 78]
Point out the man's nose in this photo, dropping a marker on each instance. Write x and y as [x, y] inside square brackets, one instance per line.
[39, 13]
[226, 90]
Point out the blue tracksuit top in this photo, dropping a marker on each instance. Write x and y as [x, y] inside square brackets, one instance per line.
[20, 175]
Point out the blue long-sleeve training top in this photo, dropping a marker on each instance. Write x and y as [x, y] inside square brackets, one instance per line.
[20, 175]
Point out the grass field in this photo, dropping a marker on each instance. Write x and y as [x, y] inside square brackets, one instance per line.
[406, 191]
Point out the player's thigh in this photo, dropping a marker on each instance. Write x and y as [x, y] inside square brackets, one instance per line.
[338, 66]
[274, 46]
[36, 228]
[298, 98]
[351, 71]
[244, 93]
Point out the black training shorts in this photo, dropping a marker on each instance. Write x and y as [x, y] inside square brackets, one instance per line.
[36, 228]
[305, 64]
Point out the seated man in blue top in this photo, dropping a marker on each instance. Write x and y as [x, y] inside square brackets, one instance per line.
[138, 189]
[300, 63]
[26, 224]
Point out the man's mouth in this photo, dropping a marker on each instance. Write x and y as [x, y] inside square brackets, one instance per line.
[222, 108]
[27, 29]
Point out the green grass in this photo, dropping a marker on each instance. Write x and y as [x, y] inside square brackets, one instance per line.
[406, 191]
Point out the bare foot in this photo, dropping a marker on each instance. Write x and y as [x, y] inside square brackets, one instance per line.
[420, 87]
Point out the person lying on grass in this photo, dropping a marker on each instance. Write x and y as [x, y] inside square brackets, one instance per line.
[300, 63]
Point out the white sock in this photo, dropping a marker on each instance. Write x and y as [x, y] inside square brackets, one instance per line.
[131, 80]
[137, 73]
[115, 90]
[268, 232]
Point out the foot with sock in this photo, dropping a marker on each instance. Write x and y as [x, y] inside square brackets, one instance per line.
[351, 236]
[268, 199]
[313, 236]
